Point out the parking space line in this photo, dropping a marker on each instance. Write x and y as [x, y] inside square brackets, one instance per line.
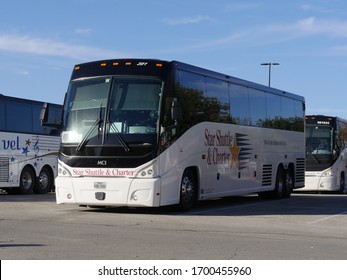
[327, 218]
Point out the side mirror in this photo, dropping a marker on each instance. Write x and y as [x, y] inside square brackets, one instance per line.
[176, 110]
[44, 117]
[44, 114]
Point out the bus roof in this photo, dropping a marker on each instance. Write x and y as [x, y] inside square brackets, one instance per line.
[17, 99]
[156, 67]
[216, 75]
[312, 119]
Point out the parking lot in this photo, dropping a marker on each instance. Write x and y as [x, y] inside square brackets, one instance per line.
[305, 226]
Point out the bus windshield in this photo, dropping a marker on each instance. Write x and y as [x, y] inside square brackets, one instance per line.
[319, 140]
[97, 108]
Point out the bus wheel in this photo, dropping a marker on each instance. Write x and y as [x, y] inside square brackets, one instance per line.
[27, 180]
[288, 183]
[45, 182]
[188, 190]
[280, 183]
[342, 183]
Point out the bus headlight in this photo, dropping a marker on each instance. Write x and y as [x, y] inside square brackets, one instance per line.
[327, 173]
[150, 171]
[62, 171]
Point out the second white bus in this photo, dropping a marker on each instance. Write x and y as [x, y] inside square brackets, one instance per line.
[326, 154]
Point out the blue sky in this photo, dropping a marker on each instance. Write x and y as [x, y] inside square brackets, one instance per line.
[41, 40]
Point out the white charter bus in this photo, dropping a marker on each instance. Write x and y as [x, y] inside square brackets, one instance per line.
[28, 152]
[326, 154]
[153, 133]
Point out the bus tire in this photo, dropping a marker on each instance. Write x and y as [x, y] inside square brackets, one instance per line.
[288, 183]
[342, 182]
[277, 193]
[188, 191]
[45, 181]
[27, 180]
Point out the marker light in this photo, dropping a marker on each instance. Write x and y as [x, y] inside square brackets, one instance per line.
[115, 63]
[127, 63]
[77, 68]
[103, 64]
[159, 65]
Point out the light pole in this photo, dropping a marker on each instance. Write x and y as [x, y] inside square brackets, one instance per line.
[269, 64]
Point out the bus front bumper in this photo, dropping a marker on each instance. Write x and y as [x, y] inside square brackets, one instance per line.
[101, 191]
[317, 183]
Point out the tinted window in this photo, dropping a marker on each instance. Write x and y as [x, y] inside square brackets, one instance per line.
[341, 136]
[2, 115]
[37, 128]
[24, 117]
[192, 81]
[273, 106]
[16, 123]
[239, 104]
[207, 99]
[191, 88]
[257, 105]
[299, 115]
[217, 100]
[287, 107]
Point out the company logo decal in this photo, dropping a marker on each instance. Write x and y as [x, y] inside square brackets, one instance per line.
[21, 149]
[244, 155]
[226, 148]
[103, 172]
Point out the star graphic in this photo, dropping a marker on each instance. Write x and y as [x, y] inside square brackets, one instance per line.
[234, 150]
[13, 159]
[25, 150]
[27, 142]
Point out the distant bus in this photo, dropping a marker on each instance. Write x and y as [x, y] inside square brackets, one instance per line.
[153, 133]
[28, 151]
[326, 154]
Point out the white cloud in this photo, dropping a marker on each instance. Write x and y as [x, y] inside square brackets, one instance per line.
[273, 33]
[47, 47]
[340, 50]
[326, 9]
[188, 20]
[83, 31]
[237, 7]
[310, 26]
[307, 7]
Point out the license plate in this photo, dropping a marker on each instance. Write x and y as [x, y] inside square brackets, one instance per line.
[100, 185]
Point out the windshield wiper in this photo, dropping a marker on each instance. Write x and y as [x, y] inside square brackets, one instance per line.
[90, 131]
[315, 158]
[119, 138]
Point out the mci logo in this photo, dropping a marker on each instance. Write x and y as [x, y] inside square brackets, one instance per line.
[102, 162]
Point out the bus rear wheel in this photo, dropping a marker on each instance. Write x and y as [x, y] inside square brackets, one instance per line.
[27, 181]
[284, 183]
[342, 183]
[188, 191]
[45, 182]
[289, 183]
[280, 183]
